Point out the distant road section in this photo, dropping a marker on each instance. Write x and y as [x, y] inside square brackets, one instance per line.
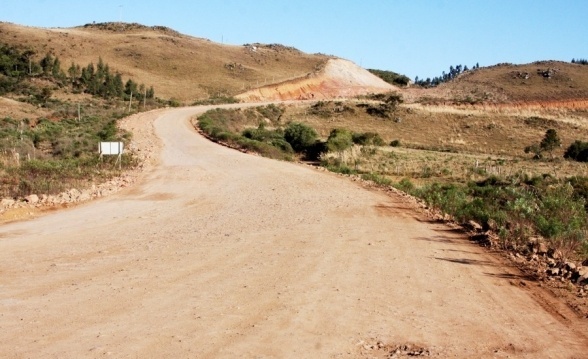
[219, 254]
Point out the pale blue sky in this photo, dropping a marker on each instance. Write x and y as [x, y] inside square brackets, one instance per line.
[413, 37]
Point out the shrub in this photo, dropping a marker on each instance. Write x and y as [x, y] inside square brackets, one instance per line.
[300, 136]
[561, 217]
[339, 140]
[271, 111]
[337, 166]
[376, 178]
[578, 151]
[395, 143]
[405, 185]
[367, 138]
[321, 109]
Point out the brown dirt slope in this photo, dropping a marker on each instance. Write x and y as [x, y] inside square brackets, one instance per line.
[177, 66]
[18, 110]
[339, 78]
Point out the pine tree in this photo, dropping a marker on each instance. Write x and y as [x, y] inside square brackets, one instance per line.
[56, 68]
[131, 88]
[150, 92]
[550, 142]
[47, 64]
[118, 85]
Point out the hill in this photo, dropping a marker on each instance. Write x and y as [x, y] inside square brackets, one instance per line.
[178, 66]
[549, 83]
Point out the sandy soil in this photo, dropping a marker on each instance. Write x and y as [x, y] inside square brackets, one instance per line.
[338, 79]
[219, 254]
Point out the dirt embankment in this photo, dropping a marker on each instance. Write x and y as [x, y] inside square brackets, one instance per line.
[338, 79]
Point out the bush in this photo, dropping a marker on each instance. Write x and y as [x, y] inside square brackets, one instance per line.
[335, 165]
[395, 143]
[376, 178]
[339, 140]
[578, 151]
[405, 185]
[561, 216]
[300, 136]
[272, 112]
[367, 138]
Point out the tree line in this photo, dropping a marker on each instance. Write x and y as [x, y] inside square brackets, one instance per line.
[580, 61]
[453, 72]
[99, 80]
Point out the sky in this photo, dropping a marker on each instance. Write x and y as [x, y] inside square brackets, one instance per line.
[412, 37]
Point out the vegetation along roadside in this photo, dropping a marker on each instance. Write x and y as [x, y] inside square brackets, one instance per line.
[526, 209]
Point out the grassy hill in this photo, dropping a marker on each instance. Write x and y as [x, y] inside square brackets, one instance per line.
[537, 82]
[178, 66]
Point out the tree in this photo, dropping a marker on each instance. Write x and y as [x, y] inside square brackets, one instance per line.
[74, 72]
[131, 87]
[56, 68]
[118, 85]
[550, 142]
[87, 74]
[300, 136]
[47, 64]
[150, 92]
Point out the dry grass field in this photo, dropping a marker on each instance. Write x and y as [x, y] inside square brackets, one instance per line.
[442, 142]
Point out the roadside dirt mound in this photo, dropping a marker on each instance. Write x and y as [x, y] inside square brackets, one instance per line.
[338, 79]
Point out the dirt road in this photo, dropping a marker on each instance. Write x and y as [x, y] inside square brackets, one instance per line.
[220, 254]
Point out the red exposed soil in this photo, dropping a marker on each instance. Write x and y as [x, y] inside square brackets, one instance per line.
[338, 79]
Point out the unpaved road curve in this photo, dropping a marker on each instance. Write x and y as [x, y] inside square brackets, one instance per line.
[219, 254]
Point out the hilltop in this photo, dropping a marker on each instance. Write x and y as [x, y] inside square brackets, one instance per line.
[178, 66]
[543, 83]
[188, 69]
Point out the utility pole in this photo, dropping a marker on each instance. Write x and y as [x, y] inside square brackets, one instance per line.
[130, 101]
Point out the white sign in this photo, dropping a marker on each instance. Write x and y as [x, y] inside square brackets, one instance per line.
[111, 148]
